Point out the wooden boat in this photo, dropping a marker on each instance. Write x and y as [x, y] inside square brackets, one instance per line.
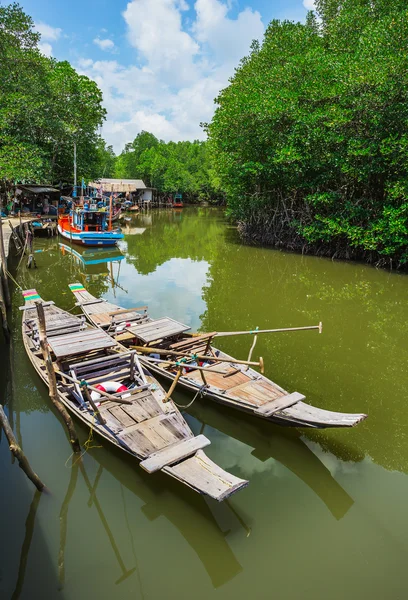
[238, 386]
[88, 226]
[138, 422]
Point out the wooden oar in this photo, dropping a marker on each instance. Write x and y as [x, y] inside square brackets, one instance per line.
[160, 351]
[256, 331]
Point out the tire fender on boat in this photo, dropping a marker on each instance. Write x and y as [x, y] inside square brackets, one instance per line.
[108, 386]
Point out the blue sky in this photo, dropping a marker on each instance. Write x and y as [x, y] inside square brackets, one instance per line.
[159, 63]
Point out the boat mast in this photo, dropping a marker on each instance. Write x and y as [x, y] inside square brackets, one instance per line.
[110, 213]
[75, 170]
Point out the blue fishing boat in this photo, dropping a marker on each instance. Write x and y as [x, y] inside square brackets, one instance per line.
[89, 225]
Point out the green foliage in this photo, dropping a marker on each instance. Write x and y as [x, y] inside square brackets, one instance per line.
[309, 139]
[171, 167]
[45, 106]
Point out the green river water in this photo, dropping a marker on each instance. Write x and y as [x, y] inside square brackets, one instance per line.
[324, 515]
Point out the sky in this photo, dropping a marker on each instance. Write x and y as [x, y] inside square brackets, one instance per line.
[159, 63]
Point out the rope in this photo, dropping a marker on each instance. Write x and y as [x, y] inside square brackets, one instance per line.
[12, 278]
[202, 392]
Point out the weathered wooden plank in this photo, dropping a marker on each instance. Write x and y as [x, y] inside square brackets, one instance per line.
[143, 408]
[193, 340]
[204, 476]
[123, 311]
[109, 358]
[120, 415]
[173, 454]
[256, 392]
[156, 433]
[269, 408]
[154, 329]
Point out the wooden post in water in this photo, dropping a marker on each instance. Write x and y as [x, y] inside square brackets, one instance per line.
[3, 314]
[18, 453]
[52, 380]
[3, 261]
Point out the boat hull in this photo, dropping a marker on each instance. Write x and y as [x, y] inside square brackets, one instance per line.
[95, 239]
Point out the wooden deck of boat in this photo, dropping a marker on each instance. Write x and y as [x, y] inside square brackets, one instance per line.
[98, 310]
[237, 385]
[153, 431]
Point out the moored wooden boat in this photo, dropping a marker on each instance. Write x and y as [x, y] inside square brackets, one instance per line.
[238, 386]
[138, 421]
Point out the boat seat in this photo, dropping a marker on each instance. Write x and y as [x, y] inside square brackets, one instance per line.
[105, 368]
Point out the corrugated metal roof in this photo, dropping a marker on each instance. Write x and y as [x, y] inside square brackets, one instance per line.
[38, 189]
[118, 185]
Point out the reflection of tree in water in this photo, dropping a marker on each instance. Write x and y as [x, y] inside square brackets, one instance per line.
[359, 362]
[174, 236]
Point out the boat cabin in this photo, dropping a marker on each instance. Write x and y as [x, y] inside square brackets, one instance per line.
[89, 220]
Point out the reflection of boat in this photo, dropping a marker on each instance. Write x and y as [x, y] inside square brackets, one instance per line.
[238, 386]
[284, 445]
[190, 514]
[88, 227]
[94, 256]
[135, 416]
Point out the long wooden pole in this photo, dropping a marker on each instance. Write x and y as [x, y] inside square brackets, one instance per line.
[110, 213]
[3, 260]
[52, 380]
[187, 366]
[3, 313]
[145, 350]
[255, 332]
[173, 385]
[18, 453]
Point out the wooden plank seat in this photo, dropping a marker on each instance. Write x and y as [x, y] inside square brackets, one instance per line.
[158, 329]
[269, 408]
[173, 454]
[80, 342]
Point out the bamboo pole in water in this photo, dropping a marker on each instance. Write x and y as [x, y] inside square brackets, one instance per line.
[18, 453]
[52, 380]
[257, 331]
[3, 312]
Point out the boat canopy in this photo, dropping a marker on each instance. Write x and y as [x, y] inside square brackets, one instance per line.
[89, 220]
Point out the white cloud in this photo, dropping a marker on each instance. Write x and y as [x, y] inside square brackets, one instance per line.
[48, 34]
[51, 34]
[155, 30]
[45, 48]
[179, 70]
[105, 44]
[309, 4]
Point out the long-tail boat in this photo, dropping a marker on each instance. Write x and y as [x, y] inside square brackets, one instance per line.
[135, 416]
[226, 381]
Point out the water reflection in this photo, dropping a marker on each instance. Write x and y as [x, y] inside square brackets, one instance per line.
[283, 445]
[63, 518]
[191, 514]
[25, 549]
